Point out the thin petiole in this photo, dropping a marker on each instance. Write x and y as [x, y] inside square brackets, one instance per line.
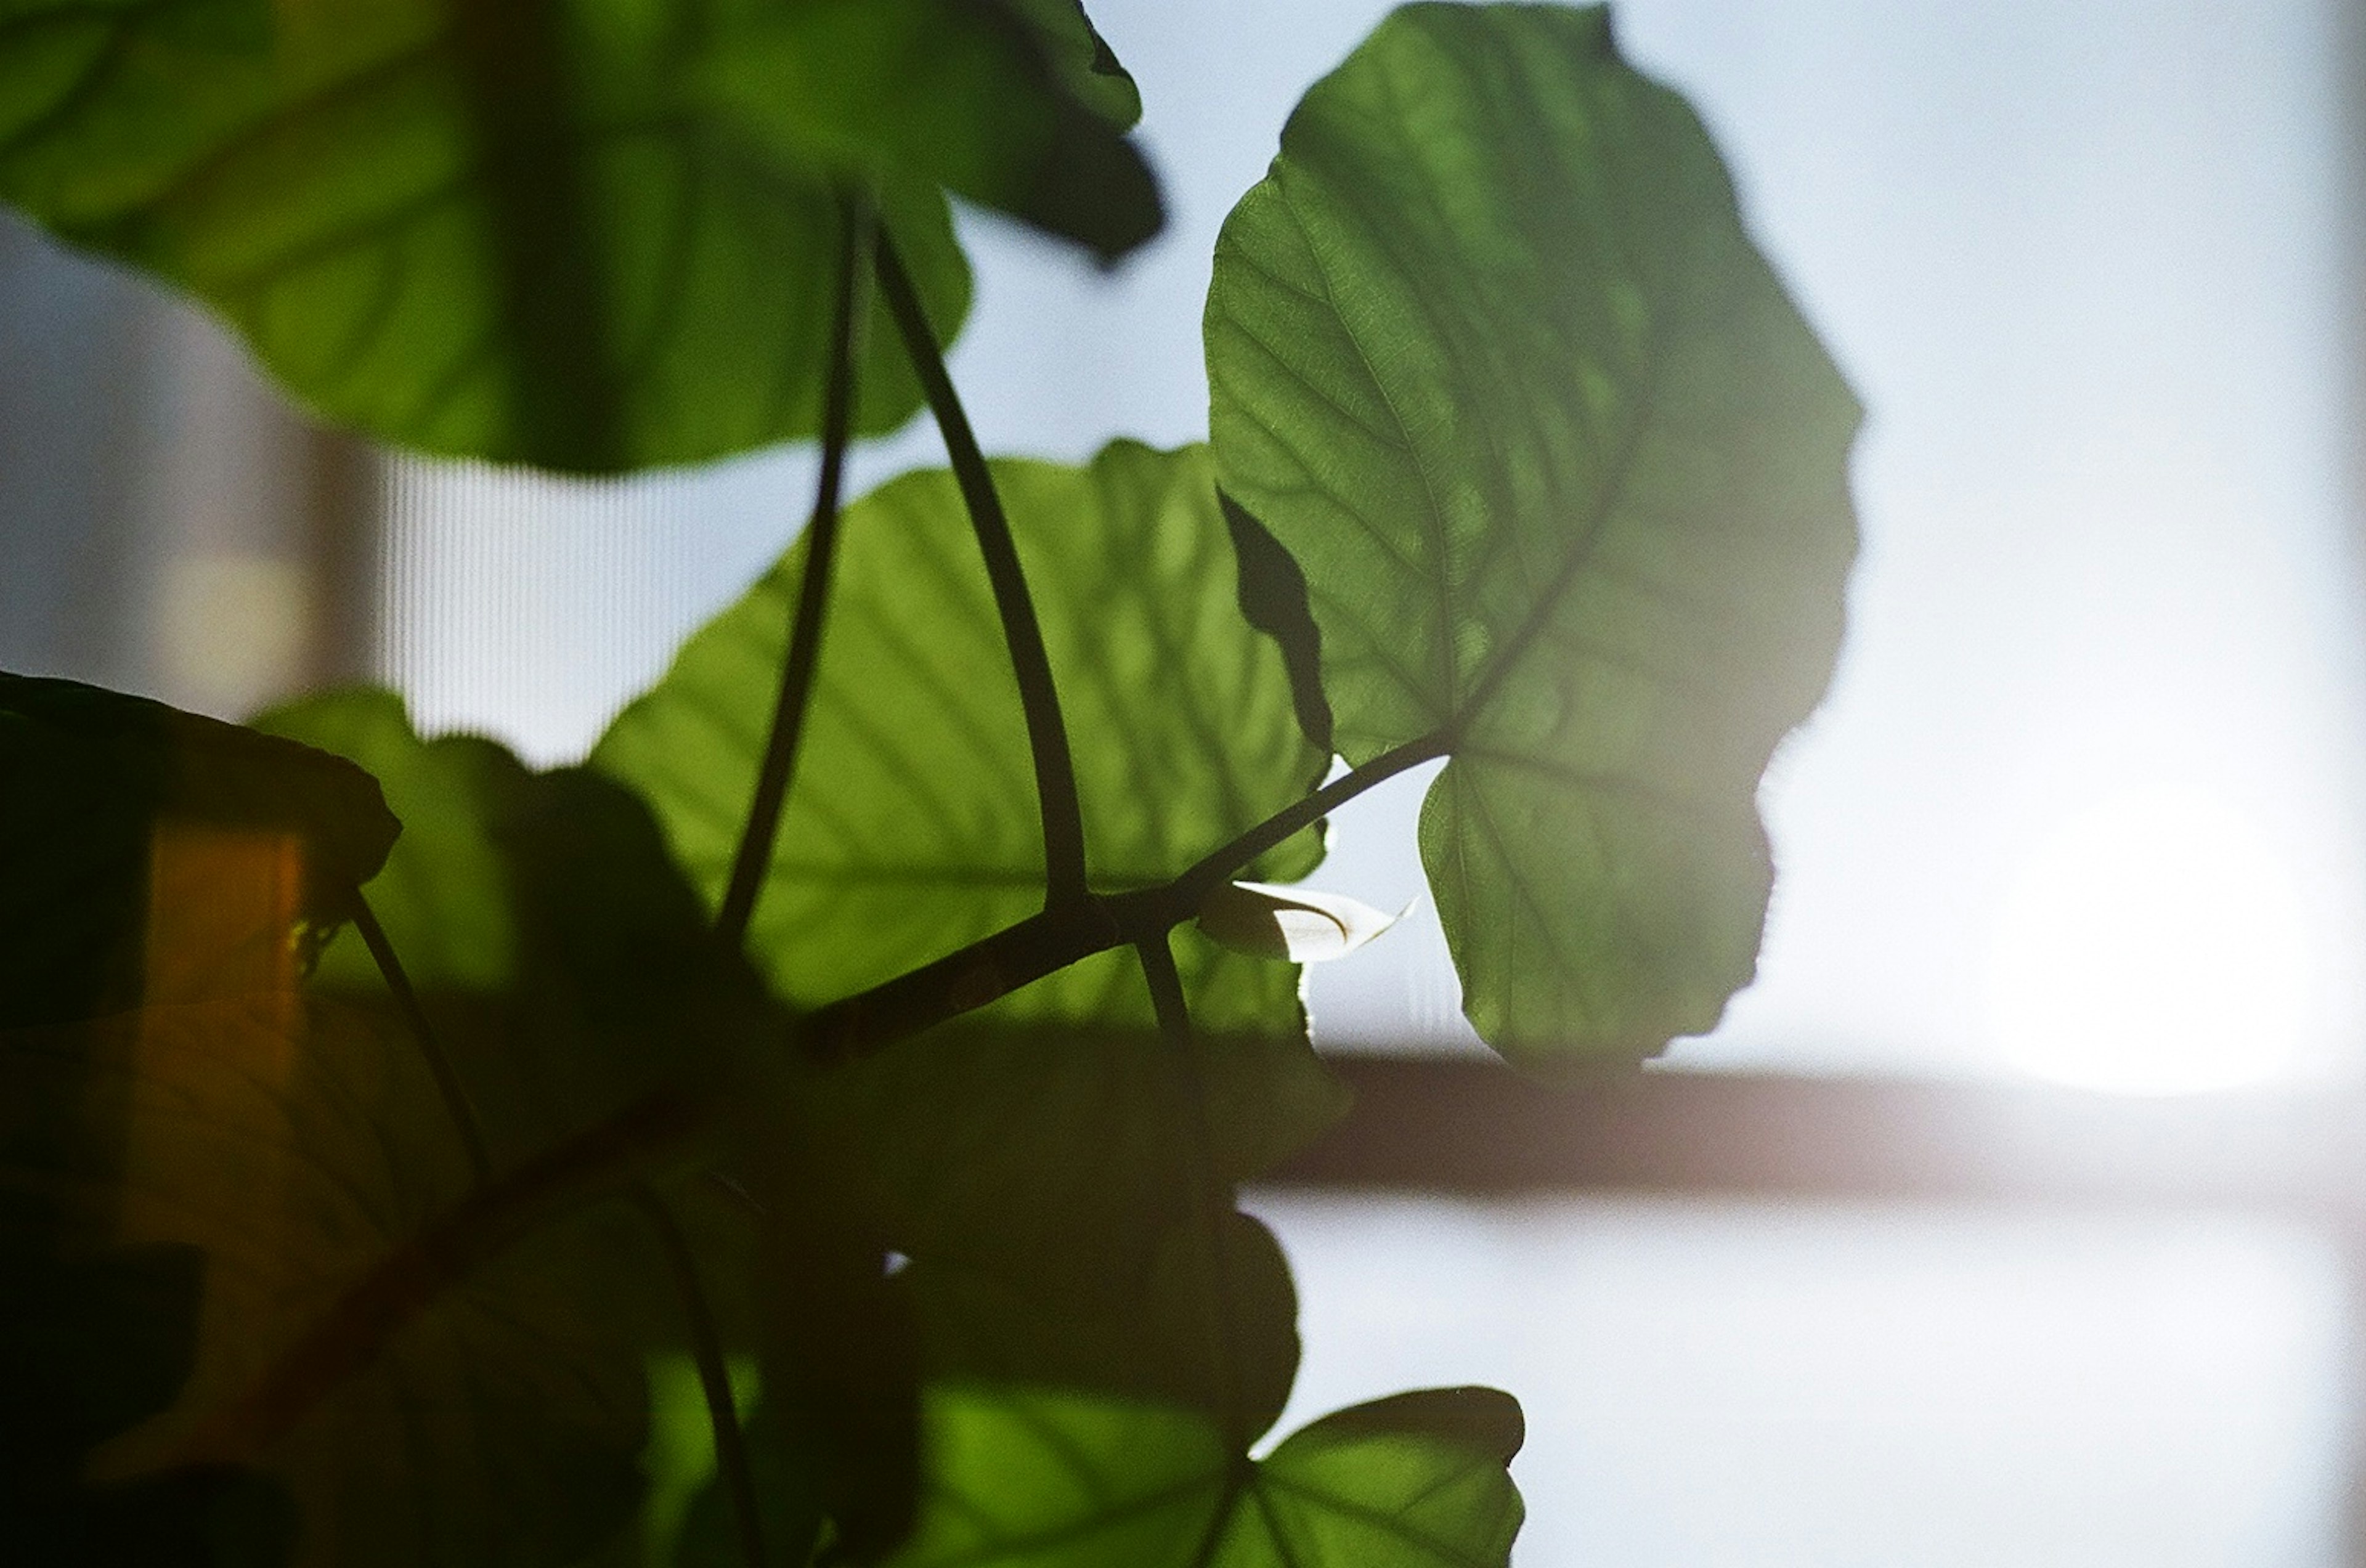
[1210, 1203]
[850, 307]
[714, 1376]
[592, 1162]
[454, 1093]
[1047, 734]
[1219, 865]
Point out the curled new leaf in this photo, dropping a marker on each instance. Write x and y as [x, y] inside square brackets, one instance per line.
[1301, 924]
[1492, 357]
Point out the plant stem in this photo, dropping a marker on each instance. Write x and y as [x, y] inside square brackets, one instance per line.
[449, 1086]
[1042, 944]
[714, 1376]
[604, 1161]
[610, 1156]
[1181, 898]
[773, 777]
[1047, 734]
[1210, 1201]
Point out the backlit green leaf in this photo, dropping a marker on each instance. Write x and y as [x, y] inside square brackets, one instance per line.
[1492, 357]
[911, 828]
[506, 231]
[1059, 1481]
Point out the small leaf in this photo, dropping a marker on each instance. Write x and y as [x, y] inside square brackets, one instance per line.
[1302, 925]
[1004, 102]
[1491, 354]
[1050, 1480]
[1273, 597]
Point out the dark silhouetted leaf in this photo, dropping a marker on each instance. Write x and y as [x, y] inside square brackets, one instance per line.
[1273, 597]
[1491, 355]
[612, 985]
[89, 779]
[1163, 1339]
[792, 1515]
[550, 900]
[1058, 1156]
[293, 1146]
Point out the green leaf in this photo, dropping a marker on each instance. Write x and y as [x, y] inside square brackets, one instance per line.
[911, 826]
[791, 1516]
[1492, 357]
[502, 231]
[1014, 103]
[1225, 1344]
[89, 779]
[1060, 1155]
[615, 988]
[1053, 1480]
[1082, 59]
[294, 1147]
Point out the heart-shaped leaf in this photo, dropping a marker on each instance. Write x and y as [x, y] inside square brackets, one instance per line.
[1061, 1481]
[1492, 357]
[911, 826]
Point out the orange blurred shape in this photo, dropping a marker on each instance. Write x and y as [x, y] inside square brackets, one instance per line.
[224, 907]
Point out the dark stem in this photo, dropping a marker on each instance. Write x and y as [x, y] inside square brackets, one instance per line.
[1042, 944]
[1179, 900]
[755, 855]
[1047, 735]
[604, 1161]
[1209, 1200]
[714, 1376]
[611, 1156]
[447, 1082]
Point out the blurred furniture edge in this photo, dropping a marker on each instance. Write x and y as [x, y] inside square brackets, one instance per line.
[1469, 1126]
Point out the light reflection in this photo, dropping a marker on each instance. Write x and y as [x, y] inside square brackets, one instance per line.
[2155, 943]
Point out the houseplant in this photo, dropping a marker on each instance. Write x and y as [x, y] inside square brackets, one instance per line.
[852, 1027]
